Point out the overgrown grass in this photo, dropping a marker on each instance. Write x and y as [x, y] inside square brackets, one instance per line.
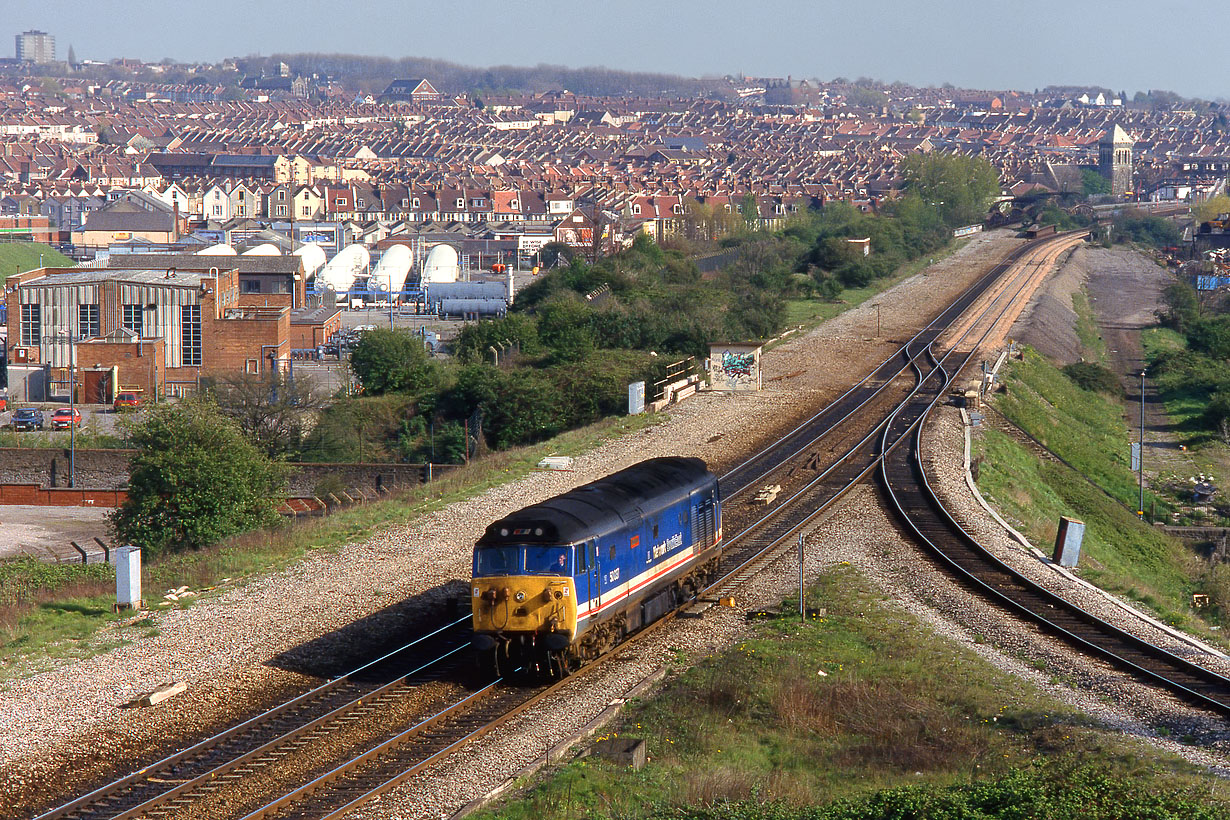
[1087, 329]
[1086, 428]
[1185, 407]
[50, 611]
[1119, 553]
[856, 706]
[85, 440]
[811, 312]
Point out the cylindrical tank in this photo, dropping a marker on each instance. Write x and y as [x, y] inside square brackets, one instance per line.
[263, 249]
[221, 249]
[441, 265]
[466, 307]
[339, 273]
[313, 257]
[392, 269]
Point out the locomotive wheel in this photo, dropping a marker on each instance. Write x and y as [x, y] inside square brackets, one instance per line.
[559, 664]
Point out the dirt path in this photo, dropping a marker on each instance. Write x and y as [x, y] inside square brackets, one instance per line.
[1125, 288]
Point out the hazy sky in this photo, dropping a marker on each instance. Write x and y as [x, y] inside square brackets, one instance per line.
[1125, 45]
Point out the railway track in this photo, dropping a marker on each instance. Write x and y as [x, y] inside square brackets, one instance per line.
[925, 518]
[192, 783]
[246, 747]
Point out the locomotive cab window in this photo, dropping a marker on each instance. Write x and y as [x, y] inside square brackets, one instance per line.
[582, 562]
[655, 530]
[497, 561]
[548, 560]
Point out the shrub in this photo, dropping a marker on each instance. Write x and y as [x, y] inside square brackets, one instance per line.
[1093, 377]
[194, 480]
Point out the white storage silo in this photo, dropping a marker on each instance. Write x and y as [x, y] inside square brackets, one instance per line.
[441, 265]
[339, 273]
[263, 249]
[392, 269]
[313, 257]
[221, 249]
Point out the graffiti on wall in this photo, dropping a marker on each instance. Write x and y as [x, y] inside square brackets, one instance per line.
[738, 365]
[734, 368]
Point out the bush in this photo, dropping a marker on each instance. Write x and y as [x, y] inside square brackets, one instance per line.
[194, 480]
[1094, 378]
[392, 361]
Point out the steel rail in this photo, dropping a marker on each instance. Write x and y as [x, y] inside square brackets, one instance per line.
[754, 469]
[77, 807]
[933, 329]
[940, 533]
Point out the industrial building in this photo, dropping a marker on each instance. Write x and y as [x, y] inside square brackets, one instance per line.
[153, 331]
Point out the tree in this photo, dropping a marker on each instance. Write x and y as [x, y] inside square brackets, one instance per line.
[194, 480]
[960, 187]
[555, 253]
[391, 361]
[1094, 184]
[1212, 208]
[274, 412]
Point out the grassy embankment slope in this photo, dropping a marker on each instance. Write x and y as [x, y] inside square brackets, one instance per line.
[16, 257]
[1120, 553]
[866, 714]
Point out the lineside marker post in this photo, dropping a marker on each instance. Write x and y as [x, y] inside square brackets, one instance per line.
[802, 605]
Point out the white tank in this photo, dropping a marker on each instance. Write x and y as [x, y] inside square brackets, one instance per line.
[221, 249]
[263, 249]
[313, 257]
[441, 265]
[341, 271]
[392, 269]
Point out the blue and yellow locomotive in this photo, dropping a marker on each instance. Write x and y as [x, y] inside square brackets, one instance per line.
[561, 582]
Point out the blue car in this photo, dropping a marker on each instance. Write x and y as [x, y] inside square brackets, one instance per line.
[28, 418]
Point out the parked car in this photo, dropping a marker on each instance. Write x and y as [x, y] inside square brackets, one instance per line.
[28, 418]
[65, 417]
[126, 401]
[4, 403]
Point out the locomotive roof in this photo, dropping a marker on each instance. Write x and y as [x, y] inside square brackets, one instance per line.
[603, 505]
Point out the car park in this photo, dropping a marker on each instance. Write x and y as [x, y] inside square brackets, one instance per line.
[126, 401]
[28, 418]
[65, 417]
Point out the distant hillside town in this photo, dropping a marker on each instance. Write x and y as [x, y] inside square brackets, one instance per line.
[139, 167]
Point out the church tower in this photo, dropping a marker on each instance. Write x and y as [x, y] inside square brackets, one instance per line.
[1115, 160]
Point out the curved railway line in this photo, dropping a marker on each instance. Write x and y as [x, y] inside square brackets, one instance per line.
[882, 414]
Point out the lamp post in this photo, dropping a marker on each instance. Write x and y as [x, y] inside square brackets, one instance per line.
[72, 408]
[1141, 461]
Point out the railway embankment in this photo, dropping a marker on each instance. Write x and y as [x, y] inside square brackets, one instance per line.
[848, 712]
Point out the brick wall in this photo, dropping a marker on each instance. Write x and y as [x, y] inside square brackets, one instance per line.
[34, 495]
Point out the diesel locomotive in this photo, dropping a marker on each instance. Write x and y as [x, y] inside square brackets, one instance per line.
[560, 582]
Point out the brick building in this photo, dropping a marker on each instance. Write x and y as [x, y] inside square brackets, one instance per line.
[156, 332]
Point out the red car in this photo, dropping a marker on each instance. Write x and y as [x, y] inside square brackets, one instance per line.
[126, 401]
[65, 417]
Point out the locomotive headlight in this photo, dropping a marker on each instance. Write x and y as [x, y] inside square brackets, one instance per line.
[520, 596]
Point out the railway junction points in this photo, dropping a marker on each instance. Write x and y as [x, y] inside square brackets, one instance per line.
[252, 644]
